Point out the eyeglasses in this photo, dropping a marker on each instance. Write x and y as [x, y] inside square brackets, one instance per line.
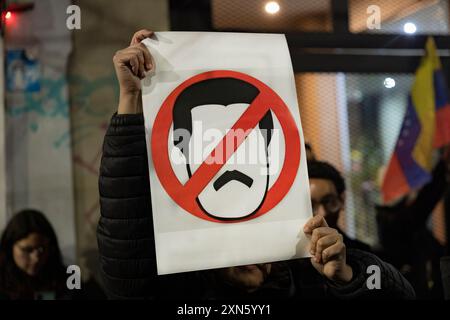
[331, 204]
[28, 250]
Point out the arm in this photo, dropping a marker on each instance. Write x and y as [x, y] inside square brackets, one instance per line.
[390, 284]
[125, 230]
[348, 273]
[430, 195]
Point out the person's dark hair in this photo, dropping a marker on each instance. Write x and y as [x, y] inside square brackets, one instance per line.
[13, 281]
[324, 170]
[223, 91]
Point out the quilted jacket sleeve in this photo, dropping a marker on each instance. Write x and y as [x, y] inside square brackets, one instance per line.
[125, 230]
[373, 279]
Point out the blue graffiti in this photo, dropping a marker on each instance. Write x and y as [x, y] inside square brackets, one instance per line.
[48, 102]
[52, 102]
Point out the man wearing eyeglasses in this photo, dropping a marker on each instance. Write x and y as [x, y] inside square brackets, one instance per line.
[327, 187]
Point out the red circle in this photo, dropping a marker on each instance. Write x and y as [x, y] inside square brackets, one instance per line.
[160, 155]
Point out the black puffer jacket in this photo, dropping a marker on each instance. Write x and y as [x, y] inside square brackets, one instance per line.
[127, 252]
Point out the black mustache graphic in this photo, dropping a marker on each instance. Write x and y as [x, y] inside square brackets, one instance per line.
[230, 176]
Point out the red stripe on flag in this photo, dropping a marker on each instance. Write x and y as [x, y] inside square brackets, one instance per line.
[395, 184]
[442, 133]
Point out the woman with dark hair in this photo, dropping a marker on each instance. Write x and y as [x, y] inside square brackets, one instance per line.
[31, 265]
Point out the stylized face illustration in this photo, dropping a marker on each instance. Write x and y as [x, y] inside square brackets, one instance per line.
[239, 188]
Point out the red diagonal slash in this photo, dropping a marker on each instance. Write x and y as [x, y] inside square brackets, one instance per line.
[186, 195]
[209, 168]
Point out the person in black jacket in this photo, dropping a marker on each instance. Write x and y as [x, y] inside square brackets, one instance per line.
[405, 237]
[126, 239]
[327, 189]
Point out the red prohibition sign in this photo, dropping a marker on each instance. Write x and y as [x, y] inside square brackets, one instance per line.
[185, 195]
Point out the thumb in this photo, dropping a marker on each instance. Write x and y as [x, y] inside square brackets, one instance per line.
[313, 223]
[140, 35]
[317, 266]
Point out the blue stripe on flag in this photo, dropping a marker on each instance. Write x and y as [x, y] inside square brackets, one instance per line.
[440, 89]
[409, 133]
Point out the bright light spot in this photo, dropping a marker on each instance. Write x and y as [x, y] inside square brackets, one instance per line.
[8, 15]
[389, 83]
[410, 28]
[356, 95]
[272, 7]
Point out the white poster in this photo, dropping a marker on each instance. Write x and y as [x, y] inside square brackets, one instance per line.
[229, 183]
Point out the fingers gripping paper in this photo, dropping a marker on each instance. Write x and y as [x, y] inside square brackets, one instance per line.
[228, 175]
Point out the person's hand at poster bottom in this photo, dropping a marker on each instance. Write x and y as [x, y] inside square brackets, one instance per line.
[328, 251]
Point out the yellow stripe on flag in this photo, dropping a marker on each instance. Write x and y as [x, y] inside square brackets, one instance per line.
[423, 99]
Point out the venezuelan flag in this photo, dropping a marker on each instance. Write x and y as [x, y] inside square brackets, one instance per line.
[426, 126]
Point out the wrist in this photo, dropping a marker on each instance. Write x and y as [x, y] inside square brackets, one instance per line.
[130, 103]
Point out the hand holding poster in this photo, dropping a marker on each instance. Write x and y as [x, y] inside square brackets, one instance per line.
[227, 172]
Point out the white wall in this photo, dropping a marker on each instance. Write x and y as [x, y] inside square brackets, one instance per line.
[38, 142]
[106, 26]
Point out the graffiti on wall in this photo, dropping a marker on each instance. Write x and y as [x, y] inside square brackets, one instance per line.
[86, 109]
[52, 102]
